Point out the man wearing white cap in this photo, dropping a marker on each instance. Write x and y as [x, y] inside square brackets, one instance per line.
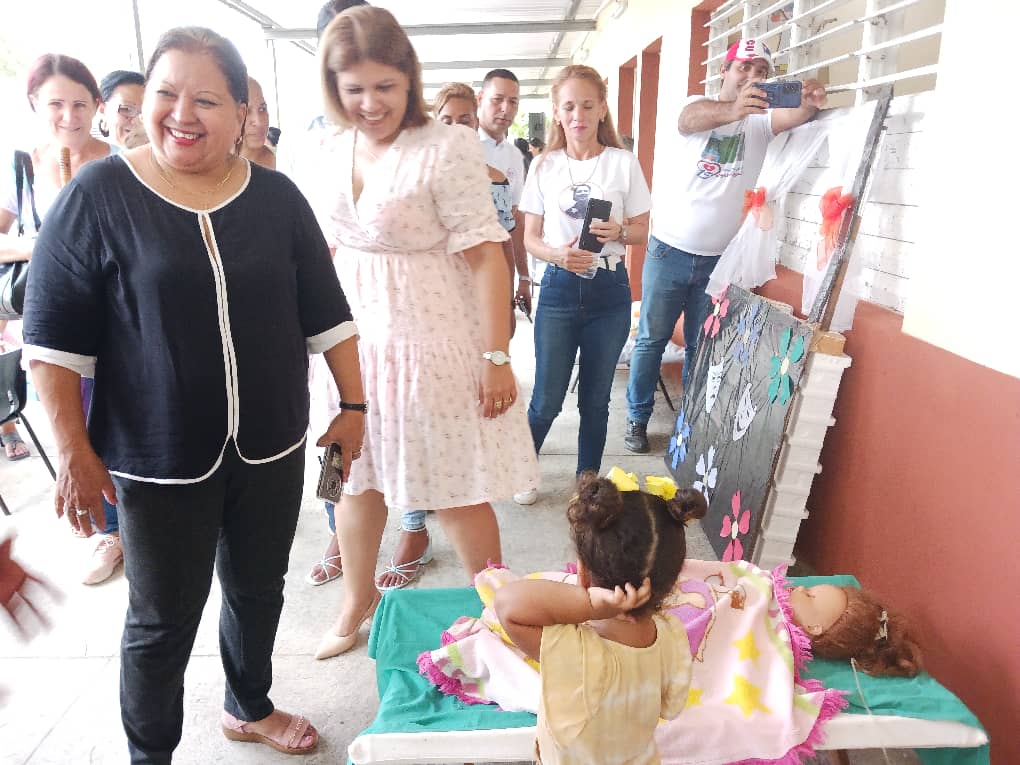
[724, 141]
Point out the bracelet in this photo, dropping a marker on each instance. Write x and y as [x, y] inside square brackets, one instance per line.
[524, 278]
[623, 234]
[354, 407]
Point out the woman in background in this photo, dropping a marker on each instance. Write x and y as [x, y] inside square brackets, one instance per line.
[121, 108]
[65, 97]
[581, 309]
[256, 128]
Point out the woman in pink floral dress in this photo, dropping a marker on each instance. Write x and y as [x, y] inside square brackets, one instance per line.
[419, 256]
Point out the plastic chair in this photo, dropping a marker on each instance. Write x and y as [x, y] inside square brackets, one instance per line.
[13, 397]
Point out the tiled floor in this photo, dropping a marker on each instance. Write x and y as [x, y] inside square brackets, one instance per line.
[59, 692]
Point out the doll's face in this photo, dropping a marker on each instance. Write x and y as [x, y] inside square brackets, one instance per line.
[816, 609]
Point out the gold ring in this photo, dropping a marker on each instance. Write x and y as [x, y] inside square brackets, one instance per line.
[498, 403]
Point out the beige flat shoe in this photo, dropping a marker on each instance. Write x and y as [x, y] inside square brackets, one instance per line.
[333, 645]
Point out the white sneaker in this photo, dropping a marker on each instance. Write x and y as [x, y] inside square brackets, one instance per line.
[528, 497]
[105, 558]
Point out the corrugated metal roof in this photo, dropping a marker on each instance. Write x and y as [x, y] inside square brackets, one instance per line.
[470, 55]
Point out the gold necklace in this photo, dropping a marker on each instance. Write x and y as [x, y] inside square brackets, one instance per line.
[364, 148]
[204, 195]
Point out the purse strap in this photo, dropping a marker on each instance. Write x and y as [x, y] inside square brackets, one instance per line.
[25, 173]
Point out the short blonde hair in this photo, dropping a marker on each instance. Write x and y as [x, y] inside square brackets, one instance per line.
[368, 33]
[450, 91]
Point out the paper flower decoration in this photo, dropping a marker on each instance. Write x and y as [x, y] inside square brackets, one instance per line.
[720, 305]
[748, 334]
[740, 524]
[678, 443]
[781, 385]
[709, 473]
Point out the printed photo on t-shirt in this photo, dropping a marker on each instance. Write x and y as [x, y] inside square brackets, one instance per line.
[722, 157]
[573, 200]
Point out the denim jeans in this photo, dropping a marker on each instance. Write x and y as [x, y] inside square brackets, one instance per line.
[242, 519]
[412, 520]
[673, 283]
[587, 315]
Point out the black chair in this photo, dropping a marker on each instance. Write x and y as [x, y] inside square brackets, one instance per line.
[13, 397]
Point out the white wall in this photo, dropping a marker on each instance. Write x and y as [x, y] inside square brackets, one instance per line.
[619, 40]
[961, 298]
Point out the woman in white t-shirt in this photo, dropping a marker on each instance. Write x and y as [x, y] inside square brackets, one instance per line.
[577, 311]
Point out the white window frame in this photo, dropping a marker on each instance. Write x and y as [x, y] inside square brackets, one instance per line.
[877, 55]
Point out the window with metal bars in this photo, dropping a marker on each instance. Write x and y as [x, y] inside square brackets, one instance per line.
[852, 46]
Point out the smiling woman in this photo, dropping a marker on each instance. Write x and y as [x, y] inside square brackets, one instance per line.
[196, 285]
[64, 96]
[417, 250]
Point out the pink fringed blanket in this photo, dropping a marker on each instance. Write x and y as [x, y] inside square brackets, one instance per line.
[747, 702]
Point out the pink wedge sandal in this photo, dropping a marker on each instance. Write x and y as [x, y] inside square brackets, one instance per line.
[288, 743]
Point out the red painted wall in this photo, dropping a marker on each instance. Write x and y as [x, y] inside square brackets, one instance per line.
[918, 497]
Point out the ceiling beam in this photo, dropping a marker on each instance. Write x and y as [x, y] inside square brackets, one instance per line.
[267, 23]
[497, 63]
[534, 83]
[275, 32]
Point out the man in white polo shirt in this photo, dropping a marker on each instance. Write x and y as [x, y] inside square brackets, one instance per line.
[498, 101]
[724, 142]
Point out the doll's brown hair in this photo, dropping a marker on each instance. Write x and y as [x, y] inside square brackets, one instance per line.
[875, 637]
[625, 536]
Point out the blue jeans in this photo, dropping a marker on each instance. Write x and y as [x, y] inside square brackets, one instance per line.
[673, 283]
[412, 520]
[590, 315]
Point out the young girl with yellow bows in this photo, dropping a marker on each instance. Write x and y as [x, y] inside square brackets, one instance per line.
[607, 655]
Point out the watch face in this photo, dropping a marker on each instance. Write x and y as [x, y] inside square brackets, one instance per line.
[497, 357]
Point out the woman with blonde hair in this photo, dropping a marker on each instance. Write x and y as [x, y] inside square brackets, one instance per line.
[584, 303]
[418, 254]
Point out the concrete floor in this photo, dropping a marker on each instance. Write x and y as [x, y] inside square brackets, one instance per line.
[59, 692]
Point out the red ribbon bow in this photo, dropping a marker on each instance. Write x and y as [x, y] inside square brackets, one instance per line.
[833, 205]
[755, 203]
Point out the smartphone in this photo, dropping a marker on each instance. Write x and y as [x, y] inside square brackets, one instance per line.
[331, 477]
[781, 95]
[597, 209]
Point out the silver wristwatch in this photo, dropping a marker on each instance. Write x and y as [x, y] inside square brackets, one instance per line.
[498, 358]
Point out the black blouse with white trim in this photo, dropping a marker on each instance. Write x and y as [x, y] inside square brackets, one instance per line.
[197, 323]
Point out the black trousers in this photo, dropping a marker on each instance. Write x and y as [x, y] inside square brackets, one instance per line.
[242, 518]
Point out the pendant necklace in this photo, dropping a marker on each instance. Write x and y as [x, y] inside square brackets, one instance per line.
[204, 195]
[574, 184]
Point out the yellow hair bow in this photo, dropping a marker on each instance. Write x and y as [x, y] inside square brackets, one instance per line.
[660, 486]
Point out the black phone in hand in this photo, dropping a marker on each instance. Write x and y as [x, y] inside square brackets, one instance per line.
[782, 95]
[597, 209]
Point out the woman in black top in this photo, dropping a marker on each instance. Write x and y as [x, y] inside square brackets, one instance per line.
[194, 285]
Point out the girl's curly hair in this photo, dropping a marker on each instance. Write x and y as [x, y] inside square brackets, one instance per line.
[626, 536]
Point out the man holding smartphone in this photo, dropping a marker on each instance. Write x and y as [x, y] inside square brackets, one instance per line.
[724, 139]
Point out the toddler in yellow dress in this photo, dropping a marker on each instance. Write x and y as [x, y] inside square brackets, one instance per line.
[612, 666]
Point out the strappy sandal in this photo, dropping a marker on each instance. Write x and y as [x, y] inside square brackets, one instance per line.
[296, 730]
[405, 572]
[333, 570]
[11, 441]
